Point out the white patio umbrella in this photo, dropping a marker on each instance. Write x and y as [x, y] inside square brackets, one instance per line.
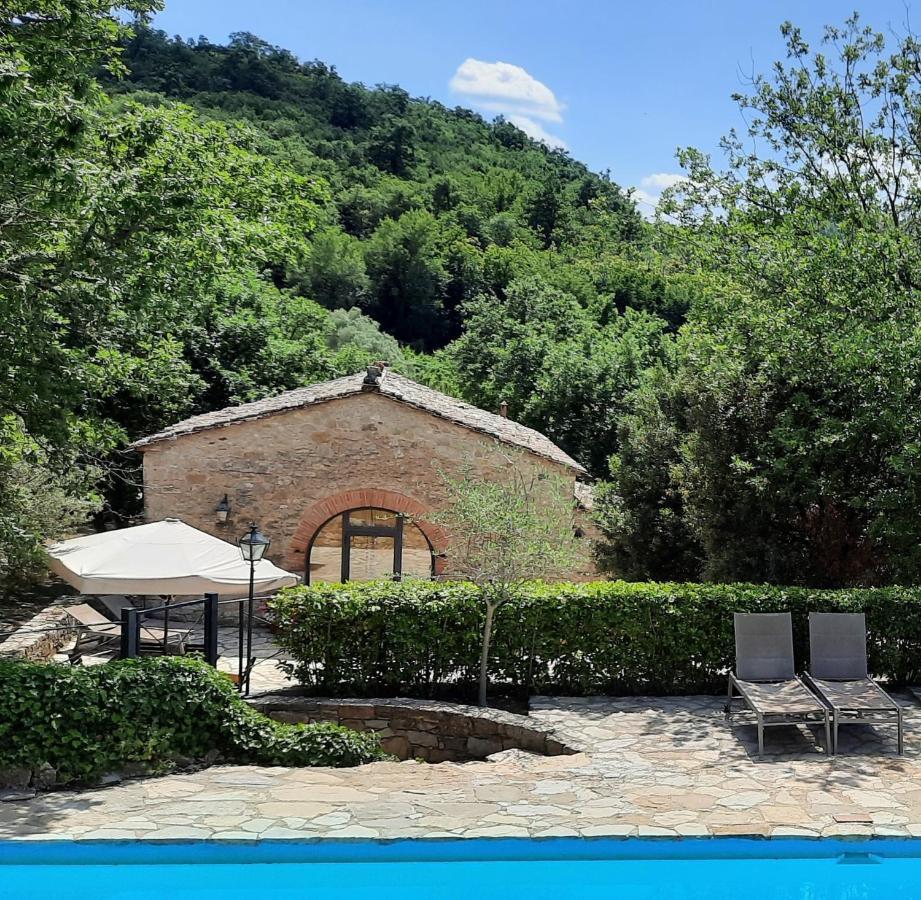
[161, 558]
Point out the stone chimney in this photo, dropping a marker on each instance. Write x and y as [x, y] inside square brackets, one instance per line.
[503, 409]
[374, 375]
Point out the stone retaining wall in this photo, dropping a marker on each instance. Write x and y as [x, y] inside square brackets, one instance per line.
[41, 637]
[423, 729]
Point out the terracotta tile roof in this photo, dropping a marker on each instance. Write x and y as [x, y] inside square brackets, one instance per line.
[398, 388]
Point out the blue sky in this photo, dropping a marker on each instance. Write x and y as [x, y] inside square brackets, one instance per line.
[621, 85]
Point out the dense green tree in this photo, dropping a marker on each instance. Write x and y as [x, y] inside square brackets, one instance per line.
[545, 212]
[38, 498]
[790, 423]
[174, 211]
[49, 53]
[747, 373]
[252, 340]
[390, 145]
[48, 97]
[127, 224]
[437, 370]
[640, 508]
[556, 368]
[358, 341]
[387, 156]
[333, 271]
[406, 264]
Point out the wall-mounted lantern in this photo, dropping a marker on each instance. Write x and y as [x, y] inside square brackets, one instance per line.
[222, 510]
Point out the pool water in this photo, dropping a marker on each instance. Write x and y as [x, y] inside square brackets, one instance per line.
[488, 869]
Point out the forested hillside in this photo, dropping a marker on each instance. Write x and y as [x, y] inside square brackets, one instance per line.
[429, 206]
[449, 232]
[187, 225]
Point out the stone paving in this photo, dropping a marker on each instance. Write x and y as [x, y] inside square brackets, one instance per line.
[266, 674]
[649, 767]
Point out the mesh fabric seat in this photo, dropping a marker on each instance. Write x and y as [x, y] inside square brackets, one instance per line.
[765, 677]
[838, 674]
[96, 629]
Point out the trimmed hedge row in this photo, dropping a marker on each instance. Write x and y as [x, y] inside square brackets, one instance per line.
[604, 637]
[84, 722]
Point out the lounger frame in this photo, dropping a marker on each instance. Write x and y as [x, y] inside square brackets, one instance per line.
[97, 632]
[838, 656]
[887, 713]
[765, 719]
[764, 656]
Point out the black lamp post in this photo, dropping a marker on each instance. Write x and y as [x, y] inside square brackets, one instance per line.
[253, 545]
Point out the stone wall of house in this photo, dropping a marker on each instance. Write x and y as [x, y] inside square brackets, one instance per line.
[292, 471]
[423, 729]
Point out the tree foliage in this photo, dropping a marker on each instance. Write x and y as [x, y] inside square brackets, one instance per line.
[187, 225]
[505, 531]
[786, 435]
[559, 370]
[419, 192]
[127, 230]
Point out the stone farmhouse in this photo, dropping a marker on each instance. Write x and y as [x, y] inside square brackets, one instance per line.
[342, 476]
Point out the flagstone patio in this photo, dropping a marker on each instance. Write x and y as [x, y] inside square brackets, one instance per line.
[649, 766]
[267, 674]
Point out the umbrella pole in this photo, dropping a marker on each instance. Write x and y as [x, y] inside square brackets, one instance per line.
[166, 604]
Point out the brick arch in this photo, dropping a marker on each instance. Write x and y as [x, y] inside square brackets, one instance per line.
[318, 514]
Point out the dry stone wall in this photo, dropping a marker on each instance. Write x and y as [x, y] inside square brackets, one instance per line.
[421, 729]
[41, 637]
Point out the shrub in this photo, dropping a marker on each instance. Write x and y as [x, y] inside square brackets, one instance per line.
[150, 712]
[604, 637]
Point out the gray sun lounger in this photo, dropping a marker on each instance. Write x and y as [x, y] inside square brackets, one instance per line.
[765, 676]
[838, 674]
[96, 629]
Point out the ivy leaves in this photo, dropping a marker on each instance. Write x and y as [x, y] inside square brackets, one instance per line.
[149, 712]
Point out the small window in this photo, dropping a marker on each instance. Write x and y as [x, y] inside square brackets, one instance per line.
[365, 544]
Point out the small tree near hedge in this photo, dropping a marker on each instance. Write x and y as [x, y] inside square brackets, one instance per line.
[507, 532]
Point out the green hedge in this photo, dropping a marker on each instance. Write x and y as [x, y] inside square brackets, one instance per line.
[604, 637]
[149, 712]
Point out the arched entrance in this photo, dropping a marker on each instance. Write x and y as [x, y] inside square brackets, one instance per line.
[380, 512]
[368, 543]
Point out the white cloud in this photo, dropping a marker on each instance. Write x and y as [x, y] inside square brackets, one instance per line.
[537, 131]
[511, 91]
[646, 203]
[648, 194]
[659, 181]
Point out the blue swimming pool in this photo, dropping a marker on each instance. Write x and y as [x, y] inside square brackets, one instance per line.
[555, 869]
